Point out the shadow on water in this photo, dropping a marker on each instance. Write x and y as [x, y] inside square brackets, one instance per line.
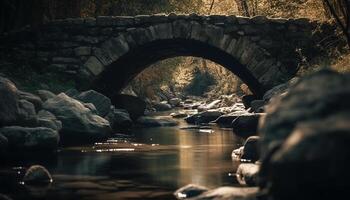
[150, 165]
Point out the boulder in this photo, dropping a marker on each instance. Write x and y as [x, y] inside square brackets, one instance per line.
[250, 151]
[148, 121]
[45, 95]
[315, 97]
[227, 119]
[203, 117]
[48, 120]
[8, 102]
[257, 106]
[189, 191]
[247, 174]
[229, 193]
[35, 100]
[72, 92]
[79, 124]
[37, 174]
[313, 163]
[134, 105]
[279, 89]
[21, 138]
[179, 115]
[91, 107]
[119, 119]
[162, 106]
[211, 105]
[101, 102]
[175, 102]
[246, 125]
[247, 100]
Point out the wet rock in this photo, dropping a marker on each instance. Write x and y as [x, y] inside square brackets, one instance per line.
[91, 107]
[162, 106]
[48, 120]
[148, 121]
[315, 97]
[179, 115]
[257, 106]
[247, 100]
[227, 119]
[246, 125]
[8, 102]
[22, 138]
[27, 114]
[37, 174]
[211, 105]
[45, 94]
[229, 193]
[174, 102]
[79, 124]
[189, 191]
[313, 163]
[72, 92]
[101, 102]
[247, 174]
[203, 117]
[35, 100]
[237, 153]
[134, 105]
[279, 89]
[250, 151]
[119, 119]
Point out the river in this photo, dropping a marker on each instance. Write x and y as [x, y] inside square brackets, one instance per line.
[151, 164]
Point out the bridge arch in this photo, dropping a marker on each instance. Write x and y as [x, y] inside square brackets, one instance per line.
[119, 59]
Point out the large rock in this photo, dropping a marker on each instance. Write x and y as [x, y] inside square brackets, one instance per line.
[27, 114]
[162, 106]
[247, 174]
[119, 119]
[101, 102]
[79, 124]
[189, 191]
[246, 125]
[204, 117]
[227, 119]
[134, 105]
[174, 102]
[21, 138]
[257, 106]
[279, 89]
[48, 120]
[250, 151]
[211, 105]
[315, 97]
[247, 100]
[8, 102]
[313, 163]
[45, 95]
[35, 100]
[37, 174]
[148, 121]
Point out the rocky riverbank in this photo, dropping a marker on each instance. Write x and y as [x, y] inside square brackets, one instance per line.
[302, 147]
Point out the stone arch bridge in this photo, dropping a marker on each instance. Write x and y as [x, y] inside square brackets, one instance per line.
[108, 51]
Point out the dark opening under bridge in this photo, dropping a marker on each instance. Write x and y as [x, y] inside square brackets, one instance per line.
[107, 52]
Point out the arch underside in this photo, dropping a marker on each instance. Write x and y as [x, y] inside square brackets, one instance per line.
[118, 74]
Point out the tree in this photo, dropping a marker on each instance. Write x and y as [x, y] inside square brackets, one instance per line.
[340, 9]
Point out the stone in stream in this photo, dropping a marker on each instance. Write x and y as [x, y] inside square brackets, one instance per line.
[162, 106]
[209, 106]
[101, 102]
[179, 115]
[203, 117]
[189, 191]
[175, 102]
[22, 138]
[37, 174]
[247, 174]
[119, 119]
[45, 94]
[48, 120]
[247, 100]
[27, 114]
[250, 151]
[9, 110]
[246, 125]
[257, 106]
[134, 105]
[148, 121]
[35, 100]
[79, 124]
[227, 119]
